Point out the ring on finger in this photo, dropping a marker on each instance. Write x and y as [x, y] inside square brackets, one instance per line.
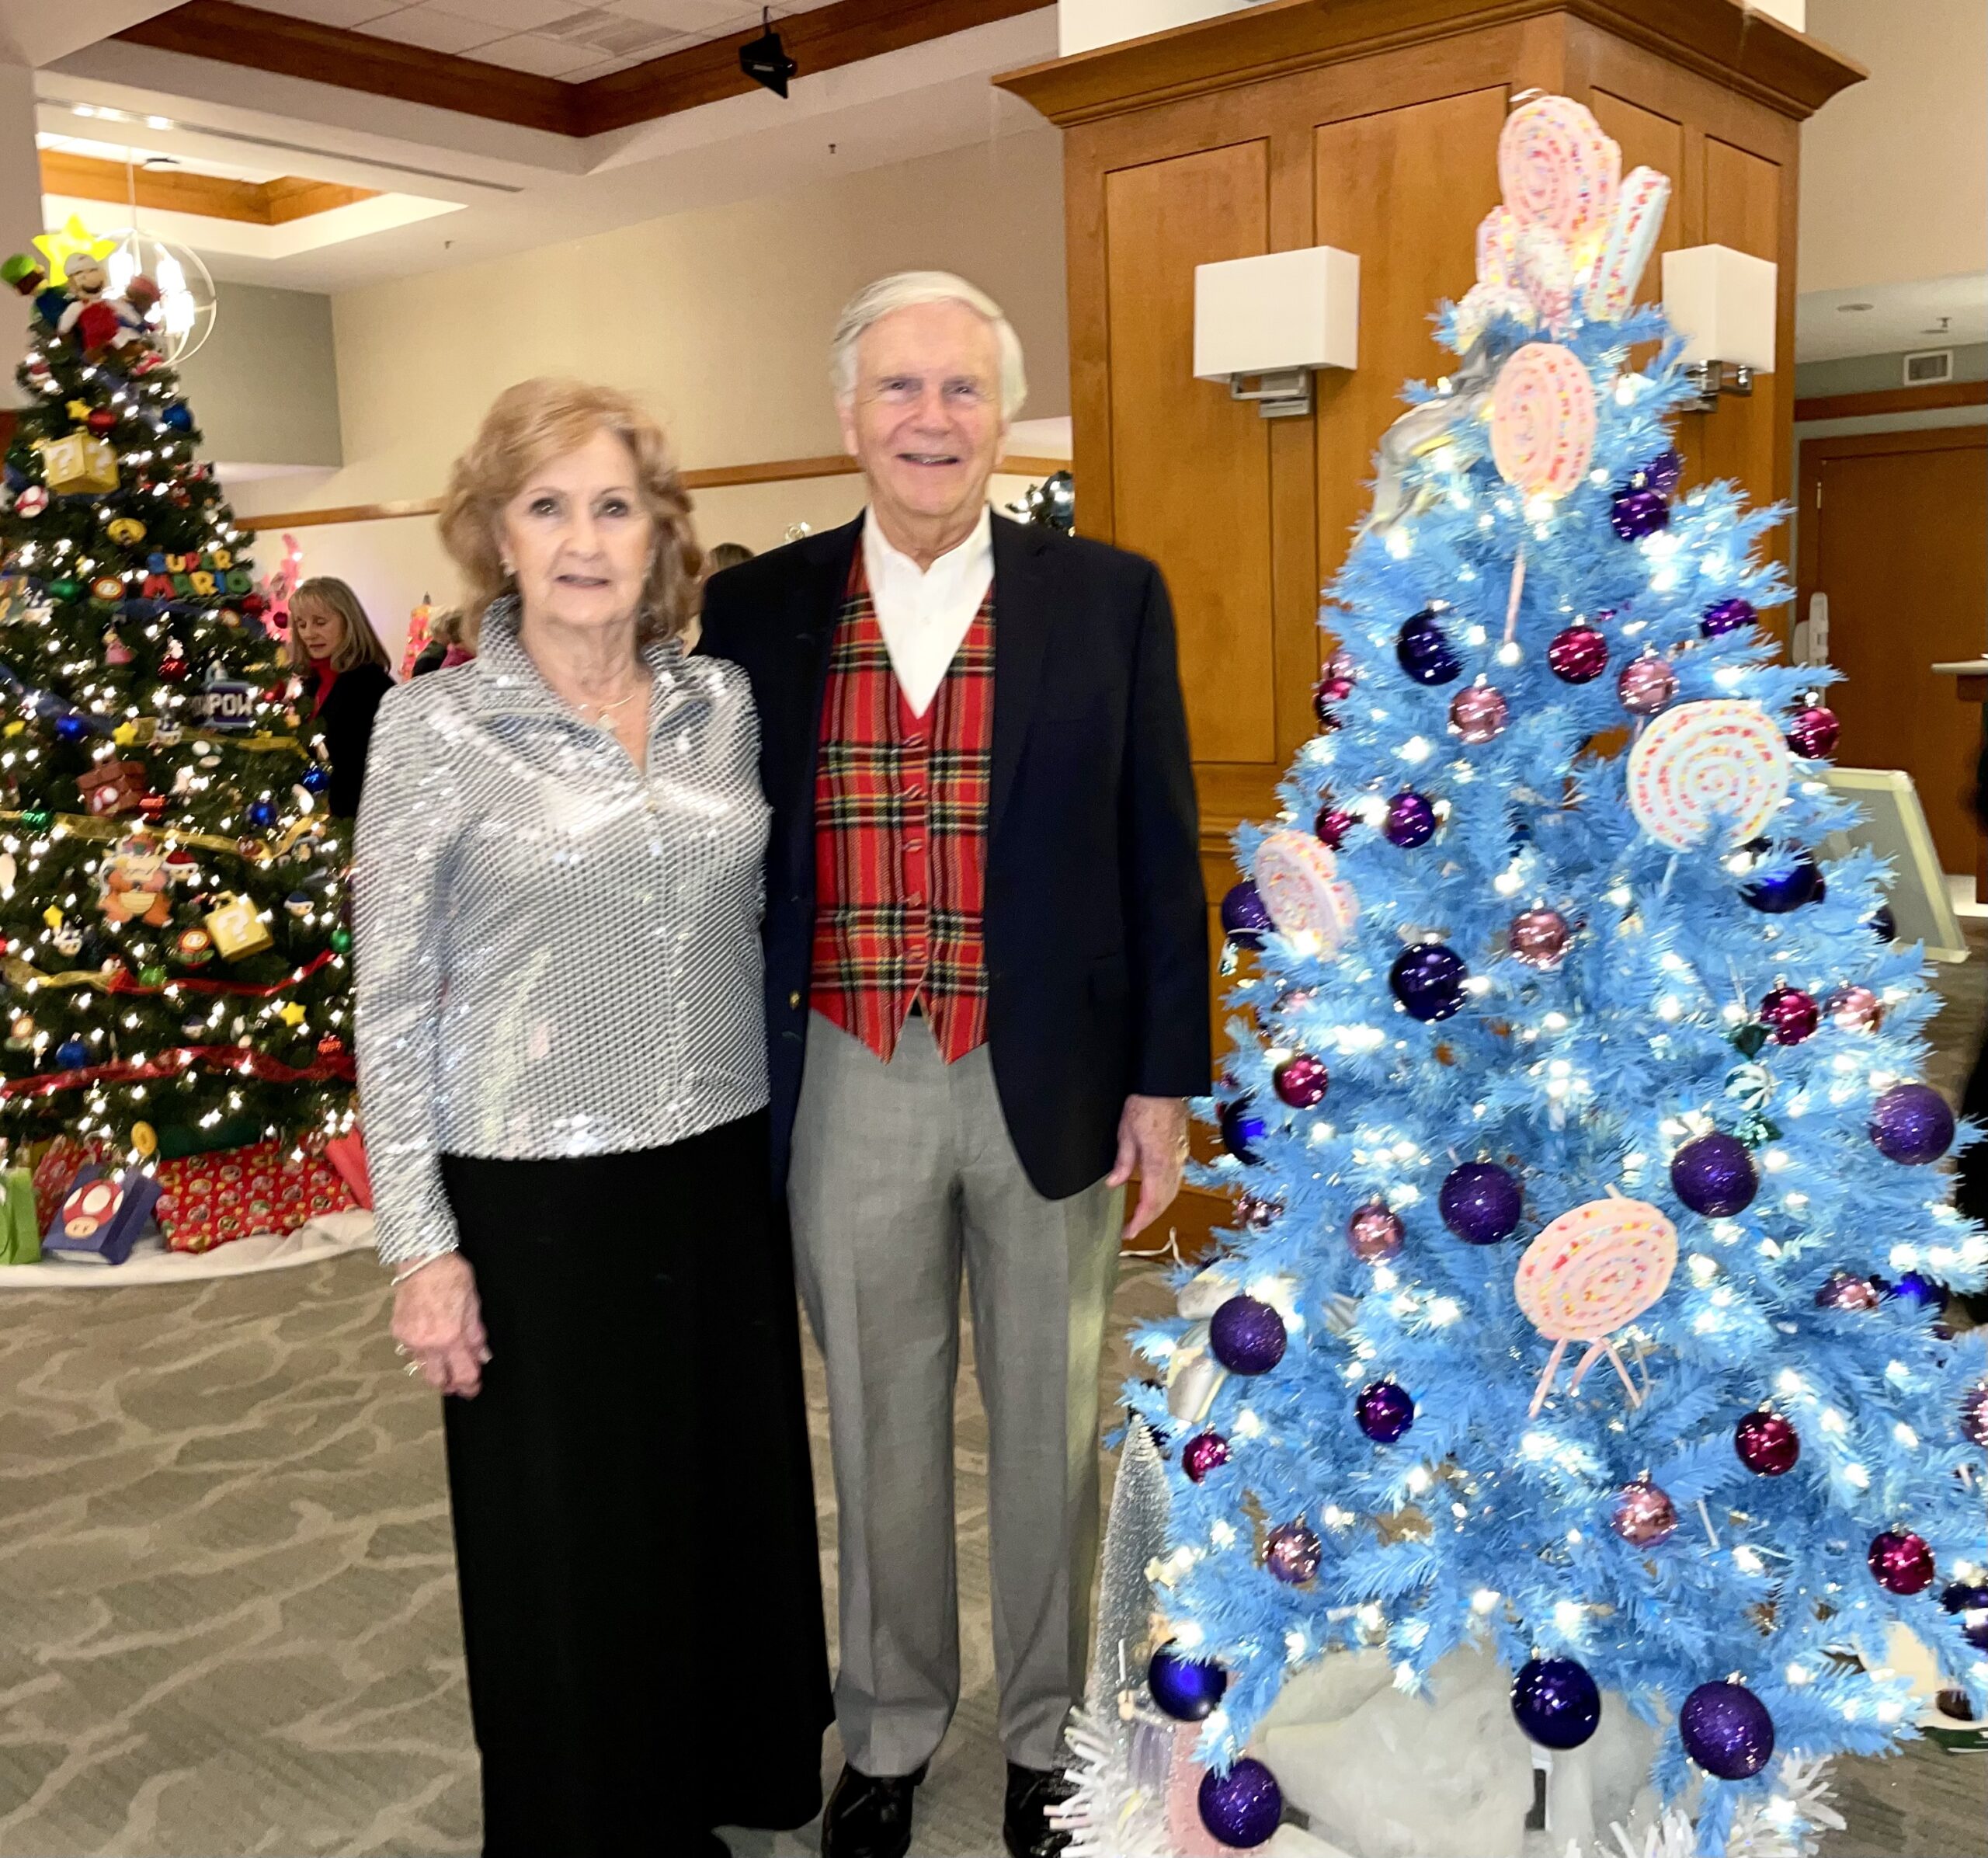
[413, 1367]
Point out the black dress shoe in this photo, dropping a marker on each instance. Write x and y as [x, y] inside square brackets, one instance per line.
[1025, 1826]
[869, 1816]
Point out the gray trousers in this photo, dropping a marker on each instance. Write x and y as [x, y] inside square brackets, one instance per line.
[902, 1173]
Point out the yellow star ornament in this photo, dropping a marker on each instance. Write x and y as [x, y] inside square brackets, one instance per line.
[292, 1014]
[74, 240]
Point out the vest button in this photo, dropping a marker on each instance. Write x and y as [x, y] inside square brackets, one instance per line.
[793, 1000]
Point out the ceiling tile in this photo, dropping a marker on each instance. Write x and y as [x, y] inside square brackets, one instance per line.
[513, 16]
[433, 29]
[337, 12]
[547, 57]
[698, 16]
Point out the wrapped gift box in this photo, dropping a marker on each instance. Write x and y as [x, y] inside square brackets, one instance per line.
[206, 1200]
[100, 1217]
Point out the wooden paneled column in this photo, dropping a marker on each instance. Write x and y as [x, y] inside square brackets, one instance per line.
[1371, 125]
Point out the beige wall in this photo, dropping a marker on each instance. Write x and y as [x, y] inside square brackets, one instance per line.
[1894, 171]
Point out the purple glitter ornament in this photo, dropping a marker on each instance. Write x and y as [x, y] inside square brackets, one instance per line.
[1556, 1702]
[1900, 1562]
[1713, 1175]
[1480, 1202]
[1246, 1336]
[1974, 1415]
[1187, 1689]
[1205, 1453]
[1663, 473]
[1245, 918]
[1243, 1807]
[1423, 650]
[1633, 514]
[1241, 1124]
[1301, 1081]
[1789, 1015]
[1332, 825]
[1845, 1290]
[1854, 1009]
[1479, 714]
[1411, 821]
[1911, 1123]
[1290, 1554]
[1538, 938]
[1768, 1445]
[1813, 732]
[1644, 1515]
[1579, 654]
[1646, 686]
[1428, 980]
[1725, 616]
[1384, 1411]
[1374, 1234]
[1727, 1730]
[1970, 1599]
[1253, 1213]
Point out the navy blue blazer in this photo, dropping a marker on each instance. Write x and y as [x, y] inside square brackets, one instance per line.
[1096, 924]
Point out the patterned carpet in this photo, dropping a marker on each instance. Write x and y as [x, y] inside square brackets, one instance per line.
[230, 1613]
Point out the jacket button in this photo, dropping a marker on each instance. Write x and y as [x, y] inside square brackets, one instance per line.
[793, 1000]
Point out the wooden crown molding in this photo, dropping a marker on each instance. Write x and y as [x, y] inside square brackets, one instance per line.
[274, 203]
[823, 39]
[1745, 51]
[1894, 400]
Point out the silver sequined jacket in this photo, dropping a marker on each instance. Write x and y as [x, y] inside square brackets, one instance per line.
[556, 955]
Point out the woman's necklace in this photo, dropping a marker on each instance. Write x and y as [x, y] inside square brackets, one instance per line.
[601, 712]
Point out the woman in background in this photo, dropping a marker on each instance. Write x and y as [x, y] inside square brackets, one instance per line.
[332, 643]
[445, 649]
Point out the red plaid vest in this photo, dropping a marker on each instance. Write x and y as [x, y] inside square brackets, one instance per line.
[901, 838]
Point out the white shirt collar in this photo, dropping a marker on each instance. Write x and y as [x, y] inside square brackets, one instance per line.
[924, 614]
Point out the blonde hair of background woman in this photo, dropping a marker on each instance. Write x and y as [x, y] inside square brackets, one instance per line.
[358, 643]
[541, 419]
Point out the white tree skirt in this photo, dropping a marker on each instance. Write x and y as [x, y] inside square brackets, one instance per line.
[331, 1235]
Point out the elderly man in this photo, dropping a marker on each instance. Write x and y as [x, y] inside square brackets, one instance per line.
[986, 958]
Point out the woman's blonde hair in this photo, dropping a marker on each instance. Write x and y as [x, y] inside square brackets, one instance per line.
[360, 645]
[541, 419]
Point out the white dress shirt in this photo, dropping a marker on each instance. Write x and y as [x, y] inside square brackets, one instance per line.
[924, 612]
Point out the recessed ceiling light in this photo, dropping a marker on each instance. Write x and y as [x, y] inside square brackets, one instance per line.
[1848, 309]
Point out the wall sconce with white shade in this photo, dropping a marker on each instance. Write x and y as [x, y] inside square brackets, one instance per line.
[1272, 320]
[1722, 302]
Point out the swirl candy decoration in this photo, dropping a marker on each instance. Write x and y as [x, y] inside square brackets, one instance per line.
[1720, 760]
[1497, 247]
[1546, 276]
[1557, 168]
[1591, 1271]
[1632, 235]
[1299, 880]
[1542, 420]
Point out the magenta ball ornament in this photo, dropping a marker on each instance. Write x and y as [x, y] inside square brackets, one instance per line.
[1845, 1290]
[1245, 918]
[1854, 1009]
[1254, 1214]
[1579, 654]
[1246, 1336]
[1203, 1453]
[1187, 1689]
[1633, 514]
[1725, 616]
[1556, 1702]
[1327, 694]
[1479, 714]
[1911, 1123]
[1813, 732]
[1900, 1562]
[1374, 1234]
[1332, 825]
[1383, 1409]
[1301, 1081]
[1727, 1730]
[1974, 1415]
[1480, 1202]
[1428, 980]
[1644, 1515]
[1243, 1807]
[1713, 1175]
[1411, 821]
[1290, 1552]
[1970, 1599]
[1539, 937]
[1646, 686]
[1768, 1445]
[1789, 1015]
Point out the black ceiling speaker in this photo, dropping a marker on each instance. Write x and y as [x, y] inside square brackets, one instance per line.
[764, 60]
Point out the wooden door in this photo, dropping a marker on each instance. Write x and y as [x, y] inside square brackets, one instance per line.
[1895, 531]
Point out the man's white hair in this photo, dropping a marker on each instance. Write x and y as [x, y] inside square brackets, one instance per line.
[899, 292]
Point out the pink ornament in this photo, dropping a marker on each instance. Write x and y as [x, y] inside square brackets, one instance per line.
[1768, 1445]
[1205, 1453]
[1644, 1516]
[1341, 665]
[1290, 1552]
[1301, 1081]
[1591, 1271]
[1479, 714]
[1326, 695]
[1579, 654]
[1646, 686]
[1974, 1415]
[1295, 999]
[1256, 1214]
[1855, 1009]
[1374, 1234]
[1721, 759]
[1555, 167]
[1334, 824]
[1297, 879]
[1789, 1015]
[1542, 420]
[1844, 1290]
[1539, 937]
[1900, 1562]
[1813, 732]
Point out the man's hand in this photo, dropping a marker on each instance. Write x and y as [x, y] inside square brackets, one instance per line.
[1152, 1138]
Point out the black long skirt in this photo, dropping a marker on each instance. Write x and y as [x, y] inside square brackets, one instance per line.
[635, 1514]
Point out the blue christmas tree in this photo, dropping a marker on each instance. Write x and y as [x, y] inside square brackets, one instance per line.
[1553, 1055]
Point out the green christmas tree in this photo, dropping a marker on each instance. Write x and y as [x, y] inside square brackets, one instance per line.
[172, 925]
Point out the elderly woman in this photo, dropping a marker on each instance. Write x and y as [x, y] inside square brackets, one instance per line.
[564, 1080]
[332, 644]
